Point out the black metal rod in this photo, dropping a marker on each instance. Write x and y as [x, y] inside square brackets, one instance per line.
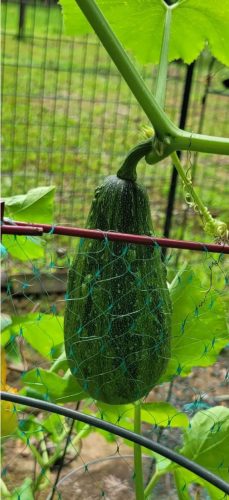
[122, 432]
[2, 210]
[21, 21]
[173, 183]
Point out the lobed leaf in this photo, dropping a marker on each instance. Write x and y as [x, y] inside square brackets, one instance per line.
[34, 206]
[139, 26]
[157, 414]
[44, 332]
[52, 387]
[207, 443]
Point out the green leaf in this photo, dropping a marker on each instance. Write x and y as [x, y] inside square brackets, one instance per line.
[55, 426]
[163, 415]
[182, 481]
[163, 465]
[24, 248]
[199, 327]
[43, 332]
[75, 22]
[184, 478]
[194, 23]
[206, 442]
[54, 388]
[34, 206]
[29, 426]
[23, 492]
[139, 26]
[156, 414]
[117, 414]
[5, 320]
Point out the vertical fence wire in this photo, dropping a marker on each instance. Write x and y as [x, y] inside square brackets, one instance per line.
[44, 75]
[28, 89]
[76, 195]
[14, 106]
[54, 143]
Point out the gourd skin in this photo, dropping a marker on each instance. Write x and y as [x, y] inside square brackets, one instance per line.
[118, 310]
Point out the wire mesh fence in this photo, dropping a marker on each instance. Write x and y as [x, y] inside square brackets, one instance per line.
[68, 118]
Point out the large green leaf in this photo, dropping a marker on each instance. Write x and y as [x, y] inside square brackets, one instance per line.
[163, 414]
[139, 26]
[207, 443]
[53, 387]
[156, 414]
[34, 206]
[184, 478]
[207, 440]
[24, 248]
[199, 328]
[44, 332]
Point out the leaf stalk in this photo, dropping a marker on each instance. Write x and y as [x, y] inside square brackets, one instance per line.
[163, 65]
[139, 486]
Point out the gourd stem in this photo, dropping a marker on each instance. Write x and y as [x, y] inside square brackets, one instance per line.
[128, 169]
[138, 474]
[180, 493]
[150, 486]
[45, 471]
[58, 363]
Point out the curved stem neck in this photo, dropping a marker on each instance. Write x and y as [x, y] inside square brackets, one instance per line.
[128, 169]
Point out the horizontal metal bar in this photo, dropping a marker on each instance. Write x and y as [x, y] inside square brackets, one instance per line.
[114, 236]
[22, 230]
[122, 432]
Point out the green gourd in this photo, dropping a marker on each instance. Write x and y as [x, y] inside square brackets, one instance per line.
[118, 310]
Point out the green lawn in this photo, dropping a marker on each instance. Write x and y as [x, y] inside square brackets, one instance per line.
[68, 120]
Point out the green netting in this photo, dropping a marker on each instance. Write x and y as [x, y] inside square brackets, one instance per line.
[49, 456]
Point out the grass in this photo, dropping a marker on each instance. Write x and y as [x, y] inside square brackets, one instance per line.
[68, 119]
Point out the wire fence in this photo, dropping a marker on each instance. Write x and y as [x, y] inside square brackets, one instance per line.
[68, 119]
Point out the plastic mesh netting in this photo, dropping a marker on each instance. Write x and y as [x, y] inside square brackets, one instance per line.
[183, 407]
